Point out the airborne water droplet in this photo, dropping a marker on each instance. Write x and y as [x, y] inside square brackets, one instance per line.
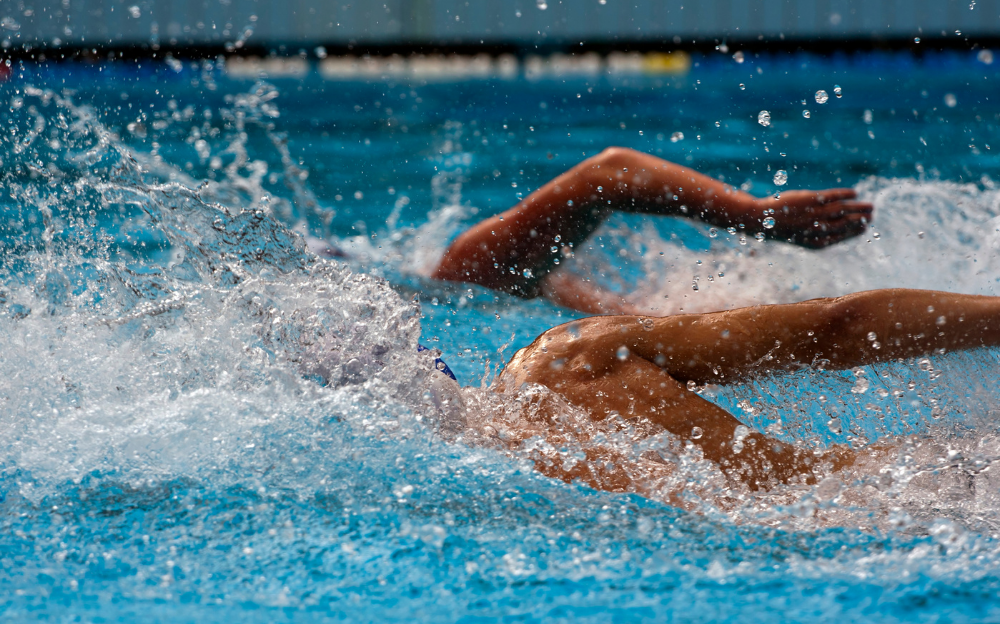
[764, 118]
[677, 136]
[134, 12]
[806, 113]
[838, 91]
[696, 433]
[738, 57]
[822, 96]
[768, 223]
[742, 87]
[780, 178]
[622, 353]
[712, 232]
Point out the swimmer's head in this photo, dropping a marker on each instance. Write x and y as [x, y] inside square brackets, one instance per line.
[330, 362]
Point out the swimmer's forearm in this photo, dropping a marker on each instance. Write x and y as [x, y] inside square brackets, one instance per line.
[897, 323]
[854, 330]
[637, 182]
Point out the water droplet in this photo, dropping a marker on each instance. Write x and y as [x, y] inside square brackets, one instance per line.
[764, 118]
[742, 87]
[738, 57]
[527, 273]
[696, 433]
[861, 385]
[647, 324]
[134, 12]
[691, 385]
[950, 100]
[622, 353]
[712, 232]
[542, 5]
[985, 56]
[822, 96]
[780, 177]
[768, 223]
[806, 113]
[871, 336]
[677, 136]
[834, 425]
[916, 40]
[838, 91]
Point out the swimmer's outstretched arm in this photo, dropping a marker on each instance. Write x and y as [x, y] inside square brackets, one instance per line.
[513, 251]
[642, 366]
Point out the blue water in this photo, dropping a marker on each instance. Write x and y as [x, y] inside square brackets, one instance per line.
[167, 453]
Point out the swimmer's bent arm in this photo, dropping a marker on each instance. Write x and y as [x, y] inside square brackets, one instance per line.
[516, 250]
[636, 366]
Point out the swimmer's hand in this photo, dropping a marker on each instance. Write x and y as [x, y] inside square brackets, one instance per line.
[813, 219]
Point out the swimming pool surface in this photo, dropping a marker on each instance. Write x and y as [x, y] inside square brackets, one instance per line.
[166, 453]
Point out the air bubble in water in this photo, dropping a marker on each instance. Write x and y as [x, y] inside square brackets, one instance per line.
[764, 118]
[822, 96]
[622, 353]
[950, 100]
[677, 136]
[134, 11]
[738, 57]
[780, 177]
[838, 91]
[768, 223]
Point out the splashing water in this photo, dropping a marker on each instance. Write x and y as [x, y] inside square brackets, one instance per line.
[201, 416]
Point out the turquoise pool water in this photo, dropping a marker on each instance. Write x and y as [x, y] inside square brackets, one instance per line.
[167, 455]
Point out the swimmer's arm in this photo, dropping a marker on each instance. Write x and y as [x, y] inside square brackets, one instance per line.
[515, 250]
[854, 330]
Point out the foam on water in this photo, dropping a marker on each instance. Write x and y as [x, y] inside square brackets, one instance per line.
[199, 414]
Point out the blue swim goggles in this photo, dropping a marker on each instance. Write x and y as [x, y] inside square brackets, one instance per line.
[438, 363]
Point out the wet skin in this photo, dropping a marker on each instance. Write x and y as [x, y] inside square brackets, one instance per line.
[512, 251]
[640, 367]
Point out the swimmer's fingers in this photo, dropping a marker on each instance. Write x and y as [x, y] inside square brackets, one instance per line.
[831, 232]
[838, 209]
[834, 195]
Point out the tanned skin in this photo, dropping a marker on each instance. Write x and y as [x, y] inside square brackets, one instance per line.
[497, 251]
[636, 366]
